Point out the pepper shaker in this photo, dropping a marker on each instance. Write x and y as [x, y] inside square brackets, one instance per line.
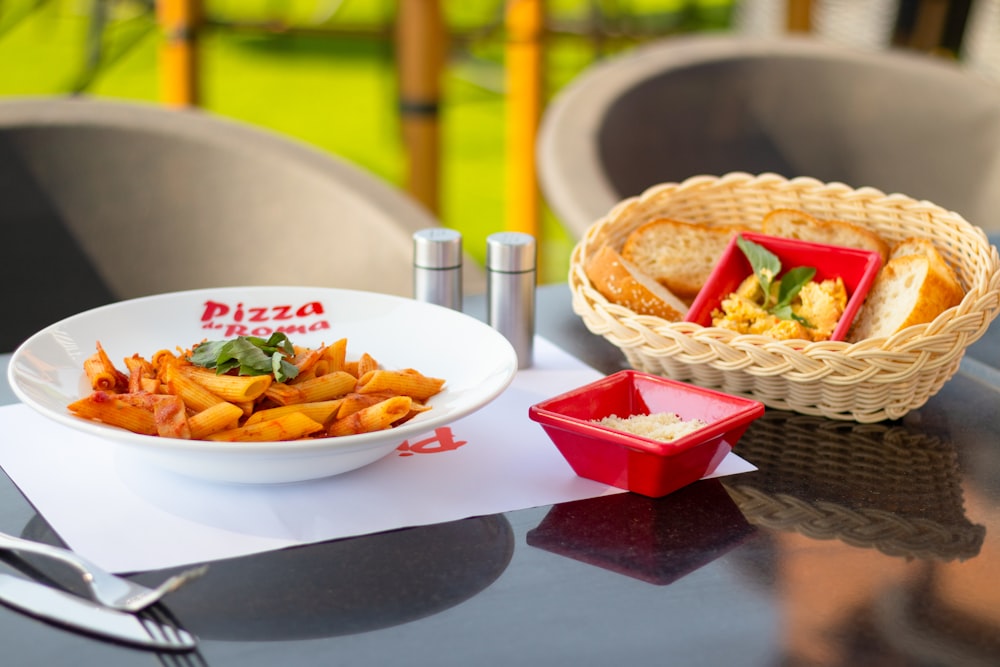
[437, 267]
[510, 290]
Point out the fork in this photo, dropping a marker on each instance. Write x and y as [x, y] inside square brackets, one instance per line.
[178, 647]
[106, 588]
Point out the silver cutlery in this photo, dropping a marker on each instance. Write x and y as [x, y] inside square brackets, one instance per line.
[109, 590]
[71, 611]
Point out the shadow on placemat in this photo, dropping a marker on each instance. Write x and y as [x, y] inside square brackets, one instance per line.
[881, 486]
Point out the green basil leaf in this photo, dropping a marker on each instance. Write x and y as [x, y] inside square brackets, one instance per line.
[766, 266]
[764, 263]
[249, 355]
[279, 341]
[784, 312]
[282, 369]
[253, 360]
[792, 283]
[226, 366]
[207, 353]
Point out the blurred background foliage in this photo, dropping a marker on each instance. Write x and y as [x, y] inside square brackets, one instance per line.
[323, 71]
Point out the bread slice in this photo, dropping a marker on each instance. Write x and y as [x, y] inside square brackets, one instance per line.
[908, 290]
[620, 282]
[921, 246]
[678, 255]
[793, 224]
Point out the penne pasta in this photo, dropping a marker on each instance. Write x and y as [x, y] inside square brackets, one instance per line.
[161, 358]
[102, 373]
[171, 421]
[121, 380]
[232, 388]
[249, 389]
[302, 377]
[140, 373]
[373, 418]
[150, 385]
[287, 427]
[320, 411]
[366, 364]
[101, 379]
[326, 387]
[408, 382]
[335, 355]
[219, 417]
[322, 388]
[195, 396]
[305, 358]
[112, 410]
[284, 394]
[355, 402]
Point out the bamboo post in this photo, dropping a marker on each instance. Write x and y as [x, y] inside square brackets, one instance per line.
[523, 70]
[421, 40]
[928, 29]
[179, 21]
[799, 18]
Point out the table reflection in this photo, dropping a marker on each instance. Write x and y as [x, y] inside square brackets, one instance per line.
[885, 486]
[333, 588]
[883, 510]
[658, 540]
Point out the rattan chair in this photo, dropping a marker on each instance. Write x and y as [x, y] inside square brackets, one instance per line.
[103, 200]
[795, 106]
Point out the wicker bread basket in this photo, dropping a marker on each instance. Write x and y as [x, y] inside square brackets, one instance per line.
[866, 381]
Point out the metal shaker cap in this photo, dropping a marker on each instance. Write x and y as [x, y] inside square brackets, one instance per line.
[437, 248]
[510, 252]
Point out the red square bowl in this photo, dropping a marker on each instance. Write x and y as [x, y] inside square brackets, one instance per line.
[857, 268]
[649, 467]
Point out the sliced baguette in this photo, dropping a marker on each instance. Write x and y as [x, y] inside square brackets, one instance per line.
[793, 224]
[908, 290]
[678, 255]
[620, 282]
[922, 246]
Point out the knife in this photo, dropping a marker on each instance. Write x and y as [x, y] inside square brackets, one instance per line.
[77, 613]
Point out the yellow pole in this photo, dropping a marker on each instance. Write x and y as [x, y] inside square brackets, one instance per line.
[523, 70]
[179, 21]
[421, 40]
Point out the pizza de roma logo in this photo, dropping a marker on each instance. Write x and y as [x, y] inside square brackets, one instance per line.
[237, 319]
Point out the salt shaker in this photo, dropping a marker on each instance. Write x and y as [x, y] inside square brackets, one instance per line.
[510, 290]
[437, 267]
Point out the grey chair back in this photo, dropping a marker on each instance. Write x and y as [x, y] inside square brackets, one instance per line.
[102, 201]
[685, 106]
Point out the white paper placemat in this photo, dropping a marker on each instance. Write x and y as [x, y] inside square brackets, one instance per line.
[128, 517]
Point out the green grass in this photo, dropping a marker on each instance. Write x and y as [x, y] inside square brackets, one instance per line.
[336, 93]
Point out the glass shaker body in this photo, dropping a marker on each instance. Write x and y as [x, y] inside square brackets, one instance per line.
[510, 290]
[437, 267]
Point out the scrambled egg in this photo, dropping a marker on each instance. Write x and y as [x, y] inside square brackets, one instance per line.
[820, 304]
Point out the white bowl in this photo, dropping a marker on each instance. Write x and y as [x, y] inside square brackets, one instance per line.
[477, 363]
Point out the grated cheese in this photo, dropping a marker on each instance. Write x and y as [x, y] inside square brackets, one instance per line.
[663, 426]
